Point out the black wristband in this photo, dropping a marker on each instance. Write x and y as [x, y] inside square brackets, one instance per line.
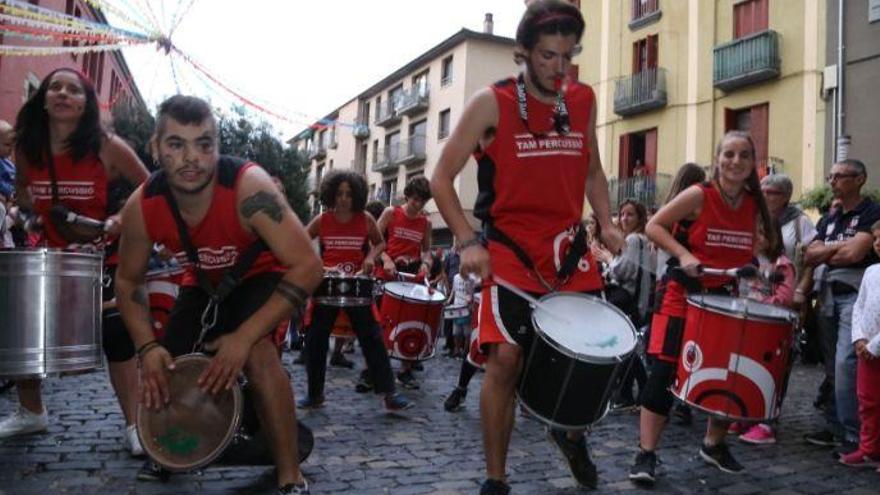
[144, 349]
[473, 241]
[294, 294]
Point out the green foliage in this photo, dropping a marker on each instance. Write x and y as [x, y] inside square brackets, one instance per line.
[135, 126]
[820, 198]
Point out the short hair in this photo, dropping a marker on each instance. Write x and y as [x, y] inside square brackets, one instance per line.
[418, 187]
[187, 110]
[856, 164]
[375, 208]
[549, 17]
[334, 179]
[641, 212]
[778, 181]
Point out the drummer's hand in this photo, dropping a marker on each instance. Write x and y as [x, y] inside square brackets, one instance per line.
[155, 365]
[112, 225]
[367, 267]
[389, 268]
[690, 265]
[612, 239]
[232, 352]
[475, 259]
[861, 346]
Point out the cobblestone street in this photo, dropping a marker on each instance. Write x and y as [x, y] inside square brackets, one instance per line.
[359, 449]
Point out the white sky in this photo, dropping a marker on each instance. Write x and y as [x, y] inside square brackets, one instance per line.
[299, 58]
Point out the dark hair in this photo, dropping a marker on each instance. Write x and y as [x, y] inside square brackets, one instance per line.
[856, 164]
[688, 174]
[875, 226]
[641, 212]
[334, 179]
[418, 187]
[187, 110]
[752, 185]
[548, 17]
[375, 208]
[775, 245]
[32, 125]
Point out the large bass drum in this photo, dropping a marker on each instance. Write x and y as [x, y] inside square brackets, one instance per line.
[50, 302]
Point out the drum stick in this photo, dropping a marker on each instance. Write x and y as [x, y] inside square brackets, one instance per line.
[84, 221]
[531, 300]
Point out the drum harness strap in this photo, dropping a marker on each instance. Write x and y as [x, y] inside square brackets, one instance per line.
[575, 252]
[228, 281]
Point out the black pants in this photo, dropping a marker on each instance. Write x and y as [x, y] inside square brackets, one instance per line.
[367, 331]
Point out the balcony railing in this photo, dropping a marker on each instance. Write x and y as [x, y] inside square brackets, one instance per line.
[748, 60]
[383, 161]
[414, 100]
[650, 190]
[361, 129]
[409, 152]
[317, 152]
[644, 13]
[640, 92]
[388, 114]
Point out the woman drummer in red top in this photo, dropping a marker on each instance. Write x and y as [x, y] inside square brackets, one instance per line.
[724, 215]
[350, 241]
[65, 158]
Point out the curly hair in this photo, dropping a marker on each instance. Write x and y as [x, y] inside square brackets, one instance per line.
[375, 208]
[32, 124]
[548, 17]
[418, 187]
[330, 186]
[641, 212]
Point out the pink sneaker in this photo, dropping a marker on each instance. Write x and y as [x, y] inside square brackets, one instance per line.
[760, 434]
[737, 428]
[858, 459]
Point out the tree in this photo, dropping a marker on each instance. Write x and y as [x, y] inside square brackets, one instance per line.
[135, 126]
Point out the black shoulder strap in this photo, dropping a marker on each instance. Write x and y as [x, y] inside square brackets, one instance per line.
[575, 252]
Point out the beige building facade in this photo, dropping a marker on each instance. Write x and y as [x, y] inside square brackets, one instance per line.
[671, 76]
[397, 128]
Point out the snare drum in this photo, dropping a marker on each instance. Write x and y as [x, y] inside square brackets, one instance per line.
[579, 352]
[197, 428]
[735, 358]
[410, 316]
[455, 311]
[345, 290]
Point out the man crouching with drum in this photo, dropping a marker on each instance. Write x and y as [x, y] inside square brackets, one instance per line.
[537, 160]
[217, 209]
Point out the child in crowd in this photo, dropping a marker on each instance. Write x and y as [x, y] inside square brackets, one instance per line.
[462, 296]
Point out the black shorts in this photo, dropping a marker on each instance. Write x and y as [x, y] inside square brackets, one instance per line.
[115, 339]
[184, 323]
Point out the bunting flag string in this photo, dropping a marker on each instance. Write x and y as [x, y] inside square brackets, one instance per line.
[21, 51]
[176, 20]
[145, 7]
[107, 7]
[45, 34]
[140, 16]
[24, 10]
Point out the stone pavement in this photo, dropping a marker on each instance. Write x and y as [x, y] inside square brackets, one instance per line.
[361, 450]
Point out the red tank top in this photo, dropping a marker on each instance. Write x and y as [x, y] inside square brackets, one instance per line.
[219, 238]
[532, 187]
[343, 245]
[405, 235]
[82, 187]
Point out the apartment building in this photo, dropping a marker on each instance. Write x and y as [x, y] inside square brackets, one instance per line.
[671, 76]
[396, 129]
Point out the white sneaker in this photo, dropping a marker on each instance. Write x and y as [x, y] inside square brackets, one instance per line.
[131, 442]
[23, 421]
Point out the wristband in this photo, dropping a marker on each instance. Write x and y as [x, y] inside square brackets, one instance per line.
[473, 241]
[144, 349]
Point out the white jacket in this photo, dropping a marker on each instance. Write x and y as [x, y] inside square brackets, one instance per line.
[866, 312]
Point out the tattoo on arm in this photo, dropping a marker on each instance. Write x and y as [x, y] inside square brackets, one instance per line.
[264, 202]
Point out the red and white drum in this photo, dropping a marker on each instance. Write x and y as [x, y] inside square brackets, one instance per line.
[735, 358]
[410, 317]
[163, 285]
[476, 356]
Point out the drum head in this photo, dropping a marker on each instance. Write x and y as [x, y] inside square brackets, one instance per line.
[415, 292]
[195, 427]
[584, 327]
[742, 308]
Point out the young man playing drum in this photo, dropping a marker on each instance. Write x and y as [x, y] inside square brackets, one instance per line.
[407, 234]
[214, 210]
[537, 159]
[350, 241]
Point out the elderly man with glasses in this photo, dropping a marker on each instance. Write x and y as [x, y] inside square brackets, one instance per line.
[843, 243]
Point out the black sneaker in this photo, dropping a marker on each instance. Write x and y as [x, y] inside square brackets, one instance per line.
[152, 471]
[582, 468]
[453, 402]
[683, 413]
[395, 402]
[823, 438]
[364, 384]
[407, 380]
[844, 449]
[623, 404]
[720, 457]
[644, 467]
[309, 402]
[340, 361]
[295, 489]
[494, 487]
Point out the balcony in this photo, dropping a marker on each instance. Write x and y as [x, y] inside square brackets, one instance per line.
[361, 129]
[311, 184]
[650, 190]
[409, 152]
[387, 115]
[383, 162]
[644, 12]
[746, 61]
[318, 153]
[640, 92]
[413, 101]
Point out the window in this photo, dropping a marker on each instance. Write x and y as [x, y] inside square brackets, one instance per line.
[395, 97]
[645, 54]
[755, 121]
[365, 113]
[638, 166]
[750, 16]
[319, 175]
[417, 133]
[420, 83]
[378, 108]
[392, 146]
[642, 8]
[446, 71]
[100, 73]
[443, 127]
[389, 191]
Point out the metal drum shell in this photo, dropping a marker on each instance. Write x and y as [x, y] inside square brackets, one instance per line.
[50, 300]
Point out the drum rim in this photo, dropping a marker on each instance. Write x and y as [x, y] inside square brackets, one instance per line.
[402, 297]
[574, 354]
[693, 301]
[68, 253]
[347, 277]
[238, 402]
[710, 412]
[343, 301]
[561, 426]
